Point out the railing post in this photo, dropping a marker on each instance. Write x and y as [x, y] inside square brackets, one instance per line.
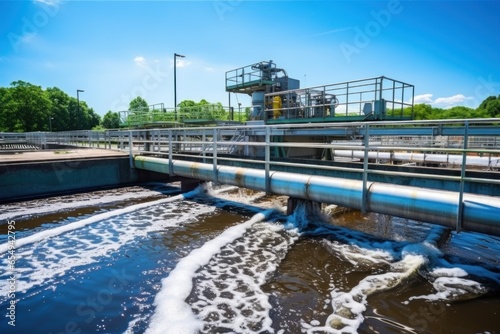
[267, 159]
[364, 198]
[170, 154]
[130, 149]
[460, 210]
[203, 140]
[215, 176]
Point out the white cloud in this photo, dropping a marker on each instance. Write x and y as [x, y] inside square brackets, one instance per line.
[442, 102]
[452, 100]
[140, 61]
[51, 3]
[424, 98]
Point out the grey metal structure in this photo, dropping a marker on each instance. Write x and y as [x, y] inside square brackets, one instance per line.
[479, 213]
[278, 99]
[443, 172]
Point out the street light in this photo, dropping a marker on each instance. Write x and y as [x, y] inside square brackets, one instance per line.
[50, 123]
[78, 106]
[175, 83]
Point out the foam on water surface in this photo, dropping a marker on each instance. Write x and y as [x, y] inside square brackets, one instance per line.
[227, 272]
[70, 202]
[48, 255]
[219, 286]
[402, 260]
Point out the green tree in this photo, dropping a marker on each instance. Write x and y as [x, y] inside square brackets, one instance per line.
[111, 120]
[203, 110]
[27, 107]
[138, 105]
[91, 118]
[491, 106]
[457, 112]
[31, 107]
[59, 115]
[422, 111]
[8, 118]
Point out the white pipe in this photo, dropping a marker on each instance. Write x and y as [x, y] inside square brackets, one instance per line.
[453, 159]
[480, 213]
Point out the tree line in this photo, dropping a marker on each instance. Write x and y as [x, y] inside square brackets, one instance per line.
[489, 108]
[25, 107]
[187, 111]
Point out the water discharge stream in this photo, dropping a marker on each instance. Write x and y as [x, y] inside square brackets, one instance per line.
[145, 260]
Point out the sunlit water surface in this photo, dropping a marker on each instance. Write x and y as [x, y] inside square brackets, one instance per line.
[149, 259]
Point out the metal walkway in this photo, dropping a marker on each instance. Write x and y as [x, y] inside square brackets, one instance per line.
[443, 172]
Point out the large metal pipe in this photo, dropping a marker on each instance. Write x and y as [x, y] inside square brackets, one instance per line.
[453, 159]
[480, 213]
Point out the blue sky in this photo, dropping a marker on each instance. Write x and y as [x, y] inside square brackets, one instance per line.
[117, 50]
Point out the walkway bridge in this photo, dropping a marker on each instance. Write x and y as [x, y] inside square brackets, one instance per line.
[443, 172]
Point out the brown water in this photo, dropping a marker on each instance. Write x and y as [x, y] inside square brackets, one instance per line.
[343, 272]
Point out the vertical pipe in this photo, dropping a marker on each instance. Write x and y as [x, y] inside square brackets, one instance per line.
[462, 176]
[131, 155]
[203, 139]
[231, 117]
[364, 196]
[267, 159]
[412, 101]
[381, 87]
[170, 154]
[214, 177]
[347, 100]
[394, 97]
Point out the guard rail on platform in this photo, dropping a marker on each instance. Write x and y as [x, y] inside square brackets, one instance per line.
[465, 146]
[463, 154]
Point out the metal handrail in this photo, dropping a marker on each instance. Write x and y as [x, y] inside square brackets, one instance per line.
[205, 140]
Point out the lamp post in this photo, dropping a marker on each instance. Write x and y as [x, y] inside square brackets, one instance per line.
[175, 83]
[50, 123]
[78, 91]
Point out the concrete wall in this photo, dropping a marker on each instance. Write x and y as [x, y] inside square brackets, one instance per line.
[31, 180]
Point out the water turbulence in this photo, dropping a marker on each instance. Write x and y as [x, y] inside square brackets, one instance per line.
[230, 261]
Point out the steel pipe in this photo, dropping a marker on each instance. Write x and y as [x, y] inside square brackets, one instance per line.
[480, 213]
[453, 159]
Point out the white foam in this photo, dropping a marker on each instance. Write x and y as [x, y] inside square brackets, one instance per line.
[49, 260]
[348, 307]
[71, 202]
[453, 288]
[173, 314]
[43, 235]
[359, 256]
[227, 294]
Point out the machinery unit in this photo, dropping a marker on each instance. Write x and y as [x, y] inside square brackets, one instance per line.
[257, 80]
[276, 98]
